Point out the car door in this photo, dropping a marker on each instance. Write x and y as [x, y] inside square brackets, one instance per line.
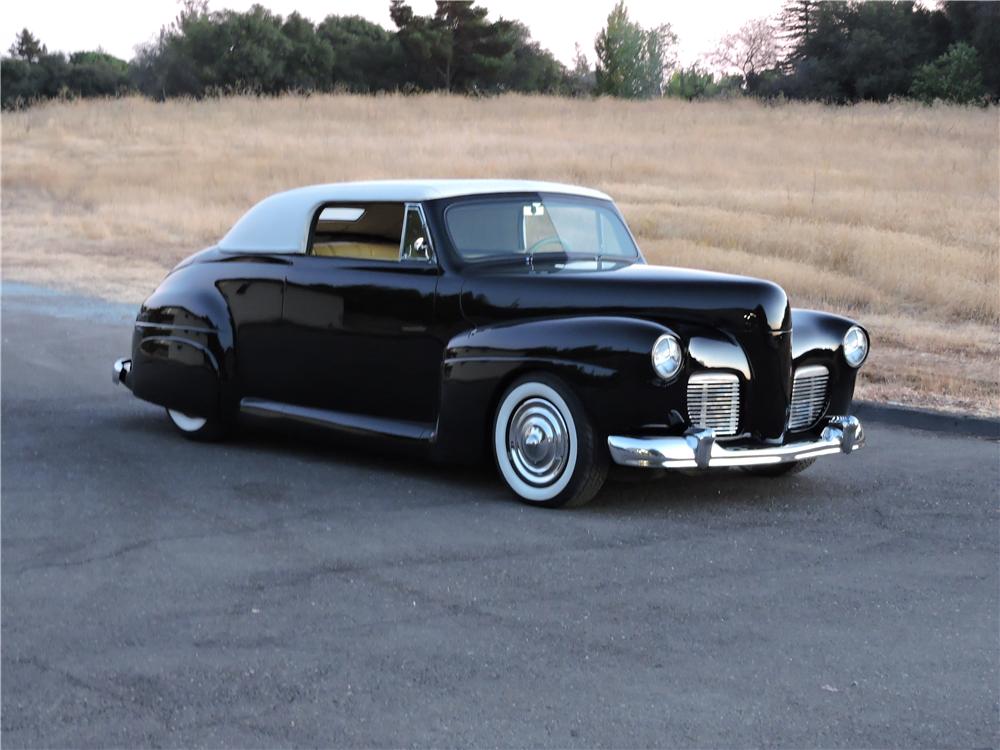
[359, 326]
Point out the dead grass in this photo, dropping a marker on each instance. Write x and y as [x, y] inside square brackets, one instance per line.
[886, 212]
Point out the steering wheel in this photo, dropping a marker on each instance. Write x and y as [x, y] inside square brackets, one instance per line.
[550, 240]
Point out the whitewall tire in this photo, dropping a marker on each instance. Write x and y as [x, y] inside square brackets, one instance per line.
[544, 444]
[195, 427]
[185, 422]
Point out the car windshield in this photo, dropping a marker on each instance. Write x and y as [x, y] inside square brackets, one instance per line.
[515, 228]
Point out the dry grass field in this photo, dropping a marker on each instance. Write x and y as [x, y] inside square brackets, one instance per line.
[885, 212]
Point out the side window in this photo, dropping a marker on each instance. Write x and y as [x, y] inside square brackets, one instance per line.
[416, 243]
[366, 231]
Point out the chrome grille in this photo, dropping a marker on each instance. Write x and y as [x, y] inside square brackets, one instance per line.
[808, 396]
[713, 400]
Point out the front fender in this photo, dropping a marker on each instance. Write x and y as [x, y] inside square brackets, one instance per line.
[818, 339]
[606, 360]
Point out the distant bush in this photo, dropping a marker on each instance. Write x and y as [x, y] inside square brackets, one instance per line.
[695, 83]
[953, 77]
[84, 74]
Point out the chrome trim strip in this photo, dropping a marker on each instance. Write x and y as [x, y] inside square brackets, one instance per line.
[174, 327]
[181, 341]
[697, 448]
[810, 371]
[345, 421]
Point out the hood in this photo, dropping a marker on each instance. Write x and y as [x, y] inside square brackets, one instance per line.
[754, 312]
[663, 294]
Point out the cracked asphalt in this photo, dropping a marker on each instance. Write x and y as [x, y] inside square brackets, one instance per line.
[286, 589]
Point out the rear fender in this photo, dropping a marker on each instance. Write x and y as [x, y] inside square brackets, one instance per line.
[182, 349]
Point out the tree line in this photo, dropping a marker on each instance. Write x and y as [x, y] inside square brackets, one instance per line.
[841, 51]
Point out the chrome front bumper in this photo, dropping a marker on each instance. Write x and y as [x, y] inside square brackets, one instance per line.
[698, 449]
[120, 372]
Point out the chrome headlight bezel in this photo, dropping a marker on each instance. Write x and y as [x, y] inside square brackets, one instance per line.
[667, 356]
[856, 346]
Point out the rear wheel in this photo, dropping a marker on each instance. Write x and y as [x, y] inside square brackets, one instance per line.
[780, 470]
[197, 428]
[545, 446]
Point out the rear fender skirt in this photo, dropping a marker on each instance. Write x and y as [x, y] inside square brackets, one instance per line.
[176, 372]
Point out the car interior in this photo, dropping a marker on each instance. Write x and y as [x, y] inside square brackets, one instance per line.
[365, 230]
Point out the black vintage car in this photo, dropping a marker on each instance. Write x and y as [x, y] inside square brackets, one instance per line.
[506, 318]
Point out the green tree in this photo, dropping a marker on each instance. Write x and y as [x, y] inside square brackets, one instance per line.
[845, 51]
[797, 23]
[456, 49]
[27, 47]
[309, 59]
[97, 74]
[426, 47]
[527, 67]
[953, 77]
[366, 57]
[250, 52]
[205, 52]
[978, 24]
[182, 61]
[23, 82]
[631, 60]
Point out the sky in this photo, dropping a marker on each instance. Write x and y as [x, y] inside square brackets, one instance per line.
[119, 25]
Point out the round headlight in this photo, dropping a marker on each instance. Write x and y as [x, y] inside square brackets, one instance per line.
[667, 356]
[855, 346]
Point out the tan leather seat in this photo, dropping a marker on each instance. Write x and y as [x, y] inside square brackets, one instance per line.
[367, 250]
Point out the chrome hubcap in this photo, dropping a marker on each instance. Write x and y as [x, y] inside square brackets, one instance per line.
[537, 442]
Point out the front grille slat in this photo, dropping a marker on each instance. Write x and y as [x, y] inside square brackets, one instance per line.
[713, 401]
[809, 396]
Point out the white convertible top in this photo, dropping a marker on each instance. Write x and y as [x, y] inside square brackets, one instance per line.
[280, 223]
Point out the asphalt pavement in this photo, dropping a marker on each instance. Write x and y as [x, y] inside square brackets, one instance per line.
[285, 589]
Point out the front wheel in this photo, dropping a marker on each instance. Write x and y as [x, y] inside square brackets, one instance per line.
[545, 446]
[204, 429]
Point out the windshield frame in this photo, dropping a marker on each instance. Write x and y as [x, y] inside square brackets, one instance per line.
[457, 257]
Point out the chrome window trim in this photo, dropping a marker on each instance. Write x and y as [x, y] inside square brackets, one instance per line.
[432, 255]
